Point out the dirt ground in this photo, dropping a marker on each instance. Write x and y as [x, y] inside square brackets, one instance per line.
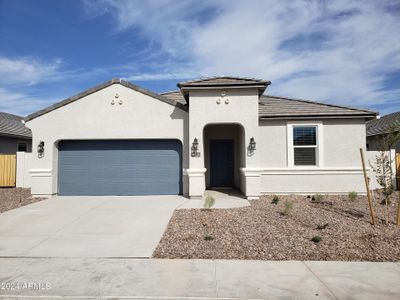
[11, 198]
[263, 231]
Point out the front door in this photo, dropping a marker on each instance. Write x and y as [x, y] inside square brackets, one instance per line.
[221, 163]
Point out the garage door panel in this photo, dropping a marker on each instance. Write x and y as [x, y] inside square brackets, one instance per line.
[128, 167]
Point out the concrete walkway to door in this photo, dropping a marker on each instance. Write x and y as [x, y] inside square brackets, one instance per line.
[87, 226]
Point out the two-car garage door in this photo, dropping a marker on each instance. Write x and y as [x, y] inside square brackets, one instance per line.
[120, 167]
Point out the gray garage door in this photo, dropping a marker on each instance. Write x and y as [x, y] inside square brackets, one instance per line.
[120, 167]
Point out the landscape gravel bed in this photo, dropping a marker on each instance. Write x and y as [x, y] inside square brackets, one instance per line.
[11, 198]
[261, 231]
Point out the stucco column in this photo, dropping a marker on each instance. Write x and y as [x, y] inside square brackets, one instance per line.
[251, 173]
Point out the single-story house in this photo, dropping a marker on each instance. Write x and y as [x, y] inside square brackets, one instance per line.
[378, 130]
[14, 135]
[221, 132]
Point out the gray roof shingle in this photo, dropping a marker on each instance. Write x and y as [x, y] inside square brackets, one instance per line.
[271, 107]
[223, 81]
[11, 125]
[383, 125]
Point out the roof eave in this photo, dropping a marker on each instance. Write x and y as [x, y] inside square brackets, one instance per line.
[316, 116]
[16, 136]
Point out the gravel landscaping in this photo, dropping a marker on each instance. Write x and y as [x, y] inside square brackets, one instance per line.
[11, 198]
[334, 229]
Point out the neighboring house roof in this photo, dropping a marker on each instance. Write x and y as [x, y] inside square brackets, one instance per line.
[384, 124]
[100, 87]
[274, 107]
[223, 81]
[12, 126]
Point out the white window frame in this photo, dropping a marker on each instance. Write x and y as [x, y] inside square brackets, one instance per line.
[319, 158]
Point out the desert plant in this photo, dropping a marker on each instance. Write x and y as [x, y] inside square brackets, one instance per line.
[318, 198]
[287, 210]
[209, 202]
[208, 238]
[316, 239]
[275, 199]
[322, 226]
[352, 196]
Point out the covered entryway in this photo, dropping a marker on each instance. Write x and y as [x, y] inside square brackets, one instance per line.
[223, 155]
[120, 167]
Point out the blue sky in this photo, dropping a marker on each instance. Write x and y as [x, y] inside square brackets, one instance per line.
[343, 52]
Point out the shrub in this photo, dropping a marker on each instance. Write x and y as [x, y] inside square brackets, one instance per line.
[352, 196]
[209, 202]
[322, 226]
[287, 210]
[275, 199]
[208, 238]
[316, 239]
[318, 198]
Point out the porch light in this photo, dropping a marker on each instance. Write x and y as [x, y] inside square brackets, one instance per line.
[195, 148]
[252, 145]
[40, 149]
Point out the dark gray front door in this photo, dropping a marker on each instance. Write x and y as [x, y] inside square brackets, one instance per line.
[221, 163]
[120, 167]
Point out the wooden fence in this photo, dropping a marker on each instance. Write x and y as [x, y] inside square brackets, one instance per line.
[8, 164]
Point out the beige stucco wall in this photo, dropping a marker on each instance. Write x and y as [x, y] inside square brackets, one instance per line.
[339, 169]
[93, 117]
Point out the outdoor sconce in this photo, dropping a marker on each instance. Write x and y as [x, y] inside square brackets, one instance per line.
[252, 145]
[195, 148]
[40, 149]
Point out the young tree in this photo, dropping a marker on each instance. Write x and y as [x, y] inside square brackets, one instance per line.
[383, 164]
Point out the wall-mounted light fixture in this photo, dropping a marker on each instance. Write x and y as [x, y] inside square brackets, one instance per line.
[40, 149]
[195, 148]
[252, 144]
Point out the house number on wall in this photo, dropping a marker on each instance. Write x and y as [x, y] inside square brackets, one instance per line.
[116, 100]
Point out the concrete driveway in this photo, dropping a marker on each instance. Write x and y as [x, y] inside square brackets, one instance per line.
[87, 226]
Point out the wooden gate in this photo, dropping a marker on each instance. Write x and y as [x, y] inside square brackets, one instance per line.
[398, 170]
[8, 164]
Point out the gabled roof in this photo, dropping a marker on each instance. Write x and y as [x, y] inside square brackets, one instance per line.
[12, 126]
[383, 125]
[276, 107]
[100, 87]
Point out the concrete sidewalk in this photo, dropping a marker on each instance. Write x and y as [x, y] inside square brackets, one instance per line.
[197, 279]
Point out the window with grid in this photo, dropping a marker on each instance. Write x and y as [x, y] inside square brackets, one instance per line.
[305, 145]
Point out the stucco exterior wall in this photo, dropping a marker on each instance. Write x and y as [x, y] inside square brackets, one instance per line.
[23, 178]
[339, 169]
[94, 117]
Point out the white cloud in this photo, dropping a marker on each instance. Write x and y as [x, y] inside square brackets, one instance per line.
[20, 103]
[339, 51]
[27, 71]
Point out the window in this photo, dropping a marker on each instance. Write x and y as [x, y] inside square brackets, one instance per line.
[305, 145]
[22, 147]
